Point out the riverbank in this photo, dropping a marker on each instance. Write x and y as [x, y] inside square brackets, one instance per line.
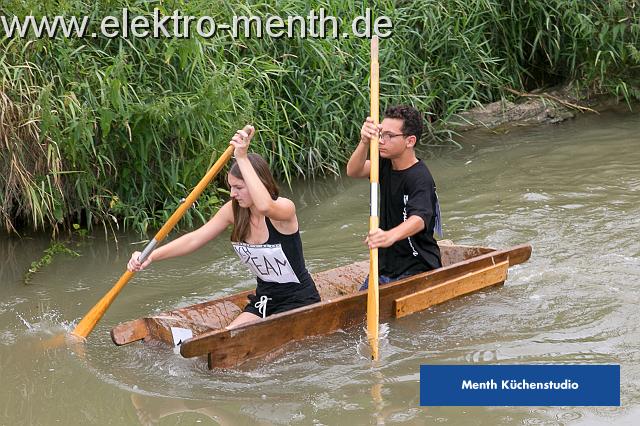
[536, 108]
[113, 133]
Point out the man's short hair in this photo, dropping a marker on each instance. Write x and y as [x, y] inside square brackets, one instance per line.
[412, 119]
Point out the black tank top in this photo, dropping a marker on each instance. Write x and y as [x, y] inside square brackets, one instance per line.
[288, 284]
[292, 247]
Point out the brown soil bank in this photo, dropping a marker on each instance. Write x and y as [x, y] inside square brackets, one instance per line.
[547, 107]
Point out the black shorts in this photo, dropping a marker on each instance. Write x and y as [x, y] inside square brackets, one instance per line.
[281, 298]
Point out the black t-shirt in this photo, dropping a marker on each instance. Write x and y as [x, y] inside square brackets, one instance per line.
[405, 193]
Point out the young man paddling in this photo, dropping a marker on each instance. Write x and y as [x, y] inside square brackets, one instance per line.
[409, 209]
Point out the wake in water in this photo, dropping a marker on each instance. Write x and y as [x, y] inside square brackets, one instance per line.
[47, 322]
[364, 350]
[46, 331]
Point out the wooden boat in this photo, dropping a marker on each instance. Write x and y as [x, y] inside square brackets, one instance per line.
[466, 269]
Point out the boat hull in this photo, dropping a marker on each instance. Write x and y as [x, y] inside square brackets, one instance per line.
[466, 269]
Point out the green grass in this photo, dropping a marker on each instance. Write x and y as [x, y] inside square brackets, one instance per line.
[113, 133]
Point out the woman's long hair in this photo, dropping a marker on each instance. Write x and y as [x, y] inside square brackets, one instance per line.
[242, 215]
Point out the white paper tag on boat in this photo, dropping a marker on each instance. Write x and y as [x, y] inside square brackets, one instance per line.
[266, 261]
[180, 335]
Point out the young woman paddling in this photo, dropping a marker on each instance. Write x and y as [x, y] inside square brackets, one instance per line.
[265, 236]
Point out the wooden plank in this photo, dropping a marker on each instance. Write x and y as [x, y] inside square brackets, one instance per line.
[473, 281]
[341, 281]
[159, 331]
[519, 254]
[200, 318]
[129, 332]
[451, 254]
[212, 316]
[231, 347]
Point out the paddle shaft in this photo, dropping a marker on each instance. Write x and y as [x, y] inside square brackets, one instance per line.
[87, 324]
[373, 308]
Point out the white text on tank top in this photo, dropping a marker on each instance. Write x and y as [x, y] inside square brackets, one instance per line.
[404, 219]
[267, 262]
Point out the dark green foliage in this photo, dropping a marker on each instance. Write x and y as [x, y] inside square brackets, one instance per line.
[99, 131]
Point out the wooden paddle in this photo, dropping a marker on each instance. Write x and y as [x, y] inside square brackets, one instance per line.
[86, 325]
[373, 308]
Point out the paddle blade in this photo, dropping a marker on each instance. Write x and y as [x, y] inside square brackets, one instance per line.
[373, 306]
[88, 323]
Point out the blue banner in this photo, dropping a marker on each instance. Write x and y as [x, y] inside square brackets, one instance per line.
[520, 385]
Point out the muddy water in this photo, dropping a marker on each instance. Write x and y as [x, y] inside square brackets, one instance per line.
[572, 191]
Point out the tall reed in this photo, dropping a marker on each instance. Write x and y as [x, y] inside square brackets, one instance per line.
[115, 132]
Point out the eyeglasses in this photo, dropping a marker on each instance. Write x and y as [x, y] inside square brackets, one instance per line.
[387, 136]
